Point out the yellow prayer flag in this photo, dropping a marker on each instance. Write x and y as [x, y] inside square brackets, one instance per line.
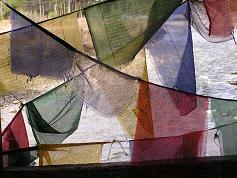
[69, 154]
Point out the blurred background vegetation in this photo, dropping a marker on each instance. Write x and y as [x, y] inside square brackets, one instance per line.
[44, 9]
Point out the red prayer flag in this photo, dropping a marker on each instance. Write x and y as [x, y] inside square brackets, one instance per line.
[166, 112]
[14, 135]
[170, 125]
[222, 15]
[168, 148]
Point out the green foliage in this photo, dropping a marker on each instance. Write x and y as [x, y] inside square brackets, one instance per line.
[52, 14]
[14, 3]
[49, 10]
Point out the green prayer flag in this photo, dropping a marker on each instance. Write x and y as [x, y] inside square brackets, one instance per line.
[224, 112]
[120, 28]
[55, 115]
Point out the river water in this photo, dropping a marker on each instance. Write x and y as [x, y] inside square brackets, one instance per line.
[214, 63]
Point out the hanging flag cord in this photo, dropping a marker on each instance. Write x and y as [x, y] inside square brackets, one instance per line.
[69, 47]
[22, 104]
[233, 36]
[216, 137]
[110, 149]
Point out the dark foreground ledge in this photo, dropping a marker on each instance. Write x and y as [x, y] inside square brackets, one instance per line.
[212, 167]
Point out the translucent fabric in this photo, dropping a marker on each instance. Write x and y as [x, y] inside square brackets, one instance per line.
[171, 51]
[69, 154]
[175, 126]
[27, 52]
[55, 115]
[222, 16]
[47, 9]
[170, 111]
[138, 68]
[120, 28]
[14, 136]
[201, 22]
[37, 53]
[169, 148]
[10, 81]
[19, 158]
[225, 113]
[159, 112]
[165, 113]
[67, 28]
[213, 142]
[144, 113]
[88, 82]
[109, 92]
